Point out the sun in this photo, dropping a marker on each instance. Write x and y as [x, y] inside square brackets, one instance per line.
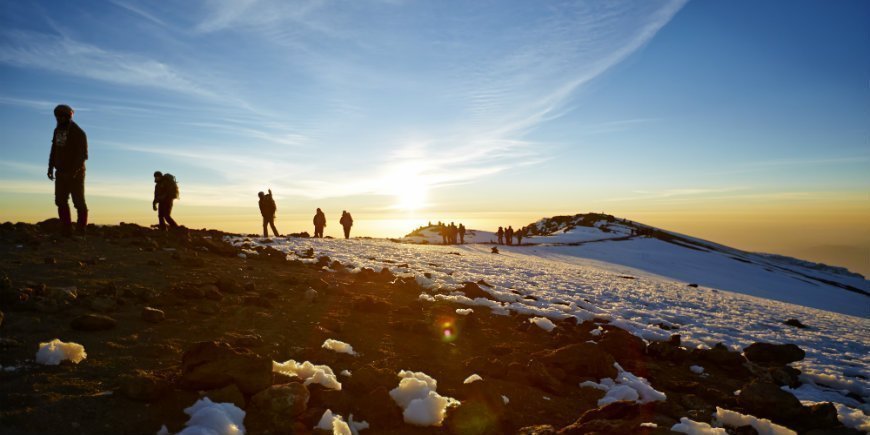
[409, 188]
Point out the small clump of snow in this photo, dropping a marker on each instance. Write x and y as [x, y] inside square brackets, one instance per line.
[697, 369]
[595, 332]
[691, 427]
[209, 418]
[626, 387]
[338, 346]
[309, 373]
[473, 378]
[336, 424]
[505, 399]
[543, 323]
[417, 396]
[649, 424]
[464, 311]
[345, 372]
[724, 417]
[55, 351]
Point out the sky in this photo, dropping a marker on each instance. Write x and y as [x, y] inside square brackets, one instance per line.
[746, 123]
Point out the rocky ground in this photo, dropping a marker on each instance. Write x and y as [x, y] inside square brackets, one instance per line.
[168, 318]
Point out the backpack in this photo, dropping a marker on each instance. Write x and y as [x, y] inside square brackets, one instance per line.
[170, 186]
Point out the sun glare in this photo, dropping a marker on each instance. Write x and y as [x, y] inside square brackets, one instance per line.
[409, 188]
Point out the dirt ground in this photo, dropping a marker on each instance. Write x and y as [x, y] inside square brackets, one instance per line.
[259, 305]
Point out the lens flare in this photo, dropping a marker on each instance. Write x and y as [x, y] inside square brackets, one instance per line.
[447, 329]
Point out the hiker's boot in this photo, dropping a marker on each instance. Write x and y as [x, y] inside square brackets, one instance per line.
[82, 222]
[63, 213]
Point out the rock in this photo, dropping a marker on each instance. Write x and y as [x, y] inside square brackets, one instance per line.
[546, 378]
[473, 291]
[723, 357]
[2, 318]
[542, 429]
[614, 418]
[143, 386]
[275, 408]
[93, 322]
[818, 416]
[796, 323]
[370, 304]
[692, 284]
[189, 291]
[494, 250]
[773, 354]
[228, 394]
[785, 376]
[244, 340]
[483, 411]
[103, 304]
[580, 361]
[310, 295]
[153, 315]
[626, 348]
[767, 400]
[208, 365]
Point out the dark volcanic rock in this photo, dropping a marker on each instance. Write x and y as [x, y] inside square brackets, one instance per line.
[274, 409]
[581, 360]
[92, 322]
[626, 348]
[543, 429]
[473, 291]
[153, 315]
[228, 394]
[773, 354]
[767, 400]
[208, 365]
[796, 323]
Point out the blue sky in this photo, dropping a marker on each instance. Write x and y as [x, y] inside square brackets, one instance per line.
[422, 109]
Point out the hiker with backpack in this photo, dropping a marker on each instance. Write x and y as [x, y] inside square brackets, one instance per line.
[346, 222]
[268, 209]
[520, 234]
[66, 167]
[165, 192]
[500, 234]
[461, 234]
[319, 223]
[509, 235]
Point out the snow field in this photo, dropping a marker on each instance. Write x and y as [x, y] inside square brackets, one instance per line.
[534, 283]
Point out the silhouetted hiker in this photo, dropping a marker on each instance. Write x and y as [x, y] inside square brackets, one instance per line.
[66, 167]
[509, 235]
[319, 223]
[500, 234]
[165, 191]
[268, 209]
[442, 229]
[346, 222]
[452, 231]
[461, 234]
[520, 234]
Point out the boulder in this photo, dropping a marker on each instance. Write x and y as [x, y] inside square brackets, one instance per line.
[580, 360]
[208, 365]
[153, 315]
[769, 354]
[767, 400]
[625, 347]
[796, 323]
[614, 418]
[276, 408]
[473, 291]
[93, 322]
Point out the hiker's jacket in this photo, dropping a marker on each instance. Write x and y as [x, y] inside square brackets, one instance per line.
[69, 148]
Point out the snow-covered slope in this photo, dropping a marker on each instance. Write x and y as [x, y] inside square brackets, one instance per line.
[536, 281]
[636, 248]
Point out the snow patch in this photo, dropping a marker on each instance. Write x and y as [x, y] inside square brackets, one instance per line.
[338, 346]
[417, 396]
[55, 351]
[543, 323]
[336, 424]
[473, 378]
[209, 418]
[691, 427]
[697, 369]
[464, 311]
[626, 387]
[724, 417]
[309, 373]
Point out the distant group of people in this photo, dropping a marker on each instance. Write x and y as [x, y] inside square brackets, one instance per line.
[66, 167]
[506, 235]
[451, 234]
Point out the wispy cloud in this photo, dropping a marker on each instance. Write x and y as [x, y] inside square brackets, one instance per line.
[139, 11]
[63, 55]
